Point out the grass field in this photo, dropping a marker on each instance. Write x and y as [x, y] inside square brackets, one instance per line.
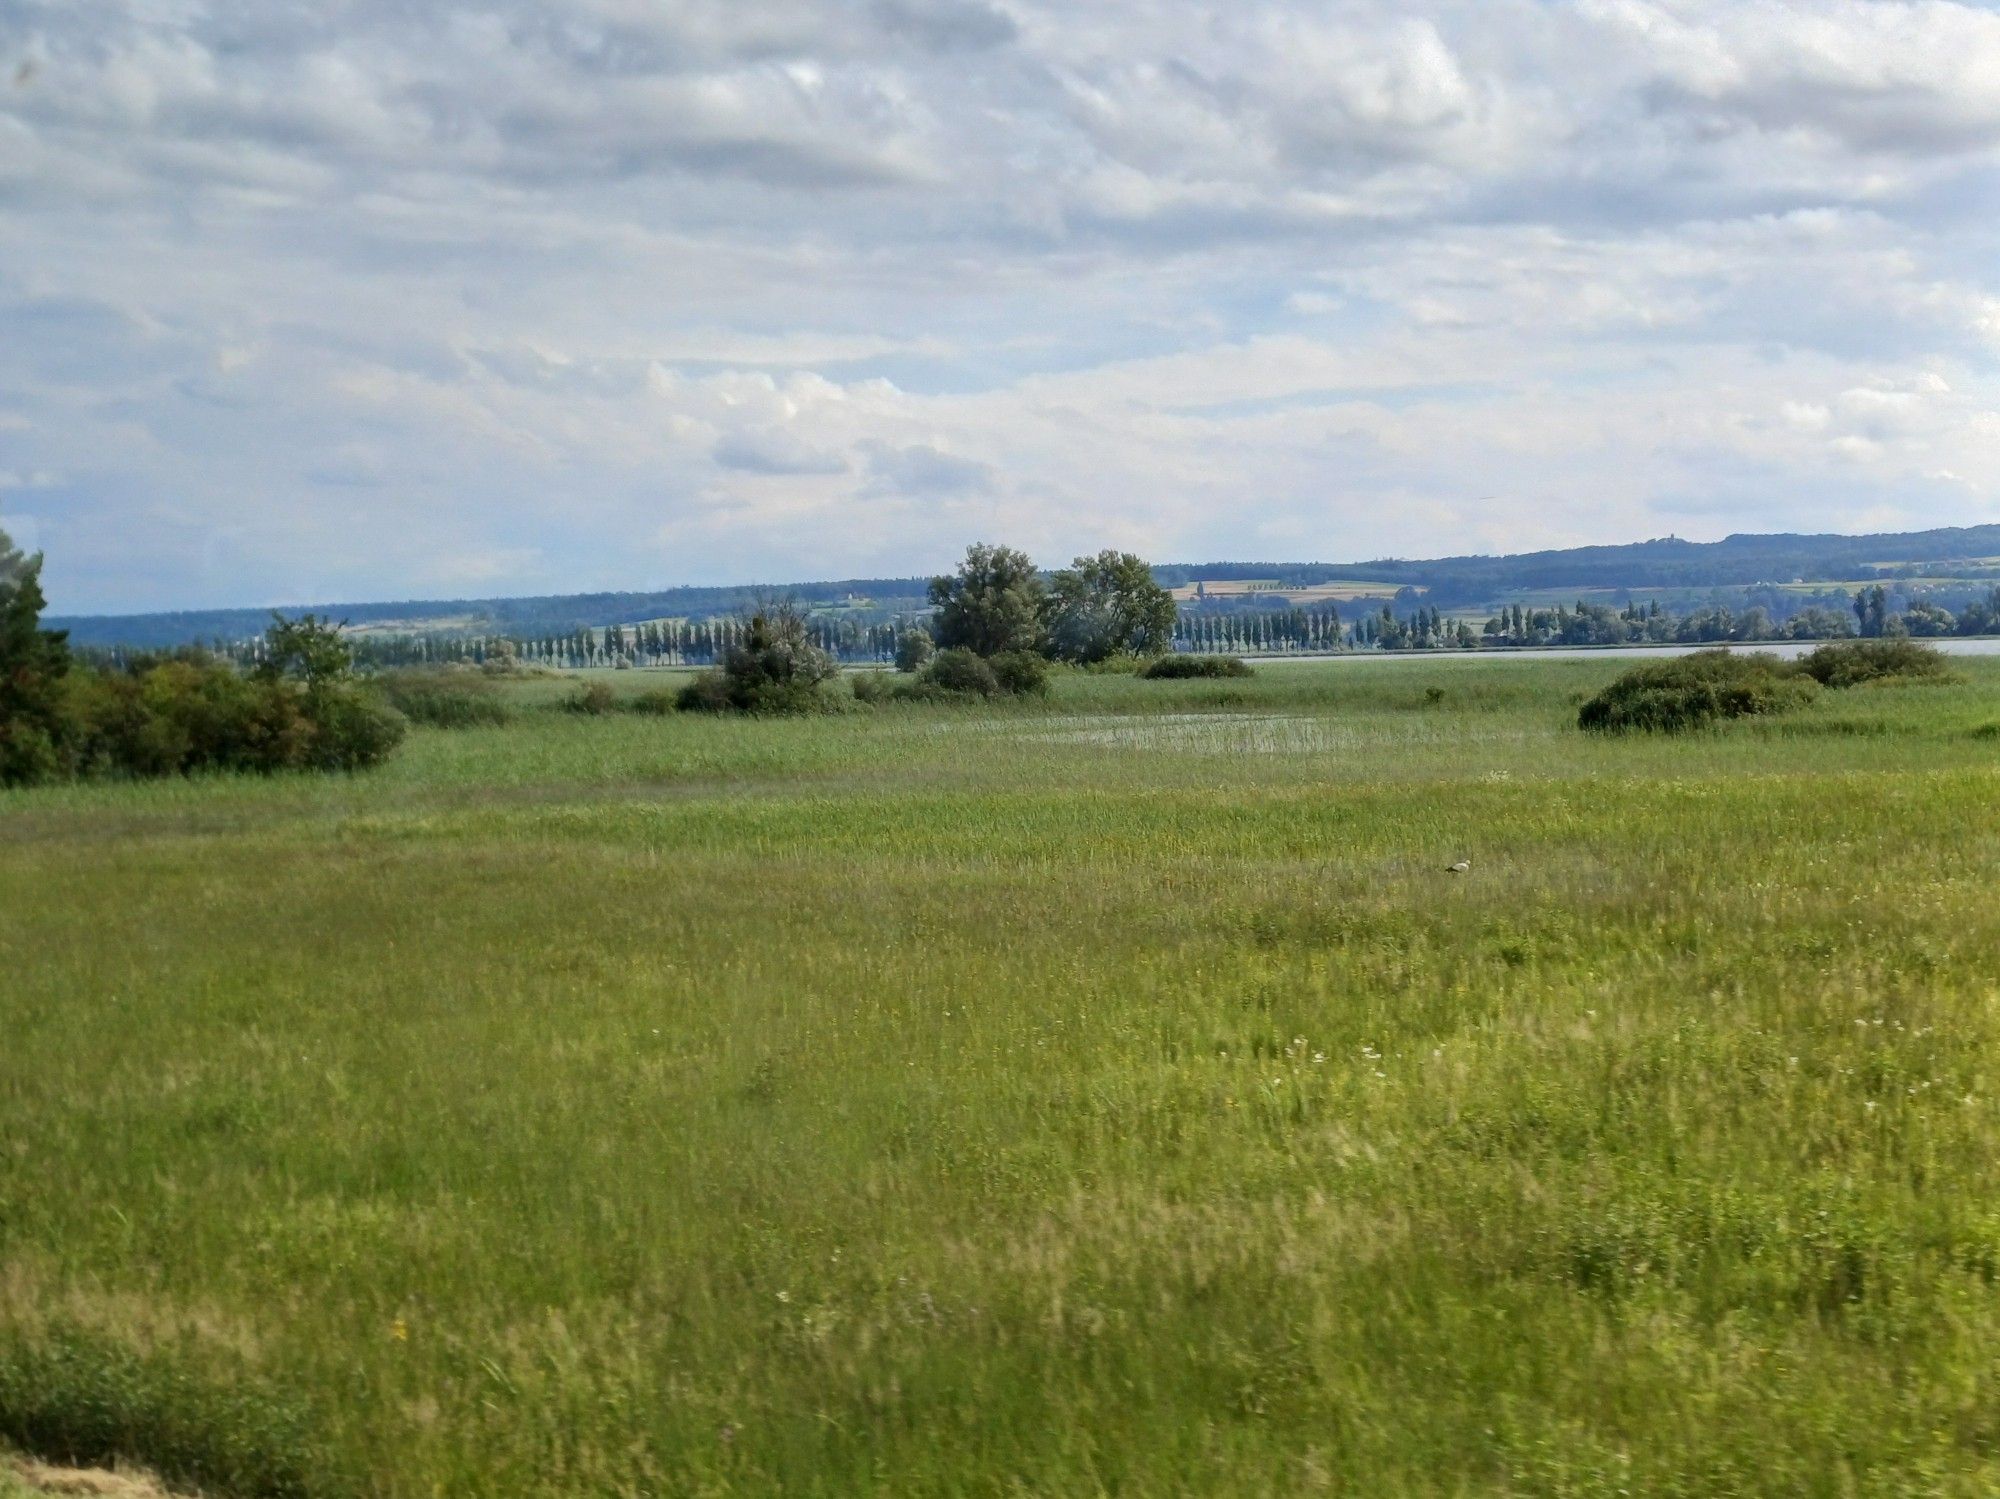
[1107, 1097]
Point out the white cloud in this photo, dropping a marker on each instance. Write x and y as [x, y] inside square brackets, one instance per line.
[608, 292]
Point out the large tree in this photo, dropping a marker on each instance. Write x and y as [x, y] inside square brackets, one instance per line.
[991, 605]
[1108, 605]
[33, 662]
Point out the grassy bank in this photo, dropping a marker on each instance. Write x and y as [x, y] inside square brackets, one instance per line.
[1109, 1095]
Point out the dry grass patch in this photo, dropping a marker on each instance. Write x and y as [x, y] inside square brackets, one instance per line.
[21, 1477]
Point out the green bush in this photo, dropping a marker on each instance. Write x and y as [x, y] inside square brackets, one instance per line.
[1849, 663]
[171, 714]
[706, 692]
[873, 687]
[656, 702]
[960, 672]
[1689, 692]
[914, 649]
[352, 731]
[181, 714]
[777, 669]
[1170, 668]
[592, 699]
[1022, 673]
[444, 699]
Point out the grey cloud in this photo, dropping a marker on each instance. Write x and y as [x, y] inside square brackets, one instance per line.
[1918, 79]
[923, 471]
[774, 452]
[947, 25]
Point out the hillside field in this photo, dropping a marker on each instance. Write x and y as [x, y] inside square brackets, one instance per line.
[1114, 1095]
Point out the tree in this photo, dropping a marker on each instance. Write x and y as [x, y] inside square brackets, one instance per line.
[1926, 617]
[992, 604]
[33, 662]
[776, 669]
[1107, 605]
[308, 649]
[914, 649]
[1871, 607]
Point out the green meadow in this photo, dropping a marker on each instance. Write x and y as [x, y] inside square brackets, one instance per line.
[1113, 1095]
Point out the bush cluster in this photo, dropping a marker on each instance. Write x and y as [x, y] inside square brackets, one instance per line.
[592, 699]
[185, 714]
[777, 669]
[1171, 668]
[1690, 692]
[960, 673]
[1849, 663]
[174, 714]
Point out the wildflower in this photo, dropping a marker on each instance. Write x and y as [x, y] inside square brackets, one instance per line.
[400, 1330]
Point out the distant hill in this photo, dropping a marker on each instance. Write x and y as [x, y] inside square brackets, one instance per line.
[1665, 563]
[1668, 562]
[553, 614]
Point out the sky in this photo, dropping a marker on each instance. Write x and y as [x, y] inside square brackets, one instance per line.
[324, 300]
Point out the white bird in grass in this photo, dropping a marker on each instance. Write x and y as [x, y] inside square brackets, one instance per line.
[1459, 868]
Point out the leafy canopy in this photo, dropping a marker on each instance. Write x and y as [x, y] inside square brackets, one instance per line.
[33, 663]
[993, 603]
[1105, 606]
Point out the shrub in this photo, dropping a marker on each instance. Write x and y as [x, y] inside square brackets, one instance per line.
[914, 649]
[444, 700]
[1691, 691]
[705, 692]
[777, 669]
[352, 732]
[176, 715]
[171, 714]
[1848, 663]
[962, 673]
[657, 702]
[592, 698]
[873, 687]
[1170, 668]
[1021, 672]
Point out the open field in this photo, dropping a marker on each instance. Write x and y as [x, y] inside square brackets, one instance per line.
[1107, 1096]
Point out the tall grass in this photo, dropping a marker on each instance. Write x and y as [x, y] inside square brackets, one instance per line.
[1104, 1094]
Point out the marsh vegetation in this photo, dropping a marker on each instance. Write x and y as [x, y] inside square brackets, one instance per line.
[1099, 1092]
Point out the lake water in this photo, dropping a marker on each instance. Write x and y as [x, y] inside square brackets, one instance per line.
[1977, 645]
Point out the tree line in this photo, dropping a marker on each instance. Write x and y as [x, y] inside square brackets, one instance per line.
[1067, 629]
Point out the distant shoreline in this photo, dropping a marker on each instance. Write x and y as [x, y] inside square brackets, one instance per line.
[1950, 645]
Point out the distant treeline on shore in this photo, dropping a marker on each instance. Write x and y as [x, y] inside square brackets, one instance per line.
[1876, 611]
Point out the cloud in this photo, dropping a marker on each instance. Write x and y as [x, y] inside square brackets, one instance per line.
[600, 293]
[774, 452]
[925, 472]
[947, 25]
[1907, 78]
